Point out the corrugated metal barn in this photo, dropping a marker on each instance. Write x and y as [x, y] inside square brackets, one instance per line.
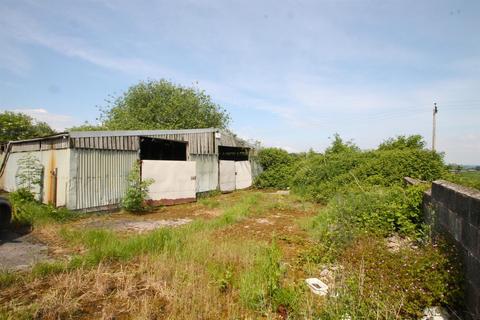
[89, 170]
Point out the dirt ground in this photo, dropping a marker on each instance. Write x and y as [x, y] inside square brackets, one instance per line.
[20, 251]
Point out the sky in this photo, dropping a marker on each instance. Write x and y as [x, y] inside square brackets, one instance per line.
[290, 73]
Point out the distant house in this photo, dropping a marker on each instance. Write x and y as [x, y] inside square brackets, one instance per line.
[88, 170]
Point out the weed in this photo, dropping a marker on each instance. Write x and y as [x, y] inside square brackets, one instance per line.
[8, 278]
[137, 191]
[209, 202]
[34, 213]
[381, 284]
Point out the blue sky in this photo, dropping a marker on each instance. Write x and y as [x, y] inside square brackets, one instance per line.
[291, 73]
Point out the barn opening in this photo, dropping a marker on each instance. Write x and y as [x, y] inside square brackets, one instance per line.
[233, 153]
[162, 149]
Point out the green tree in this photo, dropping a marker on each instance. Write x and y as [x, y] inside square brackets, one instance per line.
[86, 126]
[403, 142]
[18, 126]
[163, 105]
[340, 146]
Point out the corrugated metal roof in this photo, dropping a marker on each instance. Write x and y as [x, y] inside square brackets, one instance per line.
[116, 133]
[200, 141]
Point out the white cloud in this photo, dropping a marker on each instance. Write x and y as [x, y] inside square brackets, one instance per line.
[57, 121]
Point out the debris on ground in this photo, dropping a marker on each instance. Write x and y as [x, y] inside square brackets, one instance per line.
[435, 313]
[137, 225]
[329, 273]
[395, 243]
[317, 286]
[263, 221]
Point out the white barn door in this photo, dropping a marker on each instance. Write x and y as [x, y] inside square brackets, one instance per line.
[244, 174]
[174, 181]
[227, 175]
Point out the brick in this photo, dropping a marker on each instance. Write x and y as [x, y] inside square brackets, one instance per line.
[473, 271]
[478, 244]
[457, 227]
[462, 204]
[474, 215]
[437, 191]
[451, 197]
[442, 216]
[471, 301]
[469, 238]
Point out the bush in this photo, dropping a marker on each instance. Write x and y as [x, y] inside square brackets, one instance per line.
[137, 191]
[271, 157]
[320, 177]
[377, 211]
[380, 284]
[21, 195]
[278, 177]
[28, 212]
[278, 166]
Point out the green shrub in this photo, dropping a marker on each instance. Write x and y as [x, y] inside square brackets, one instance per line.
[278, 166]
[379, 284]
[21, 195]
[277, 177]
[403, 142]
[137, 191]
[320, 177]
[28, 212]
[271, 157]
[379, 211]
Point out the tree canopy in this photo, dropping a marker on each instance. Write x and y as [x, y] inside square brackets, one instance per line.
[17, 126]
[161, 104]
[403, 142]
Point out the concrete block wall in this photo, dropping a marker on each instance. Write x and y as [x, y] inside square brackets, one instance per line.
[454, 211]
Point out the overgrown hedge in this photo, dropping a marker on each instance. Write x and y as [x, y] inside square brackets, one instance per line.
[343, 166]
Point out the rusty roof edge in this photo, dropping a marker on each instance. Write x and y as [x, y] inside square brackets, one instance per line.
[53, 136]
[116, 133]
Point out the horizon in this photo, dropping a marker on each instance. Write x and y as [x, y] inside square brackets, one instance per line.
[290, 76]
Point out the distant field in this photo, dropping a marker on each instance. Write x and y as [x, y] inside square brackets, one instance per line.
[469, 179]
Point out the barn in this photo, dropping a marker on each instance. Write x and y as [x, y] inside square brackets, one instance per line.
[88, 171]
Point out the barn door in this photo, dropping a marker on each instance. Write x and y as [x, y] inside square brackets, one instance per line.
[174, 181]
[244, 174]
[227, 175]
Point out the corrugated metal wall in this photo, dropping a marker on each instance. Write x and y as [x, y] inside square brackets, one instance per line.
[207, 172]
[49, 160]
[37, 145]
[99, 177]
[198, 142]
[127, 143]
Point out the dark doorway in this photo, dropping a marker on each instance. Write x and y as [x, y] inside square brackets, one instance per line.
[162, 149]
[233, 153]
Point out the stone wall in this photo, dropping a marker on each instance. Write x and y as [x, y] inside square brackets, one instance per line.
[454, 211]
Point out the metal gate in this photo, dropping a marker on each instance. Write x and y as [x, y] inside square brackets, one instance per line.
[227, 175]
[235, 175]
[243, 177]
[174, 181]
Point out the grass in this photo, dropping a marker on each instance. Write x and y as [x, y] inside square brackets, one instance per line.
[469, 179]
[203, 270]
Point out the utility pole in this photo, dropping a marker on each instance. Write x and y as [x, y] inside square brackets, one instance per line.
[435, 111]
